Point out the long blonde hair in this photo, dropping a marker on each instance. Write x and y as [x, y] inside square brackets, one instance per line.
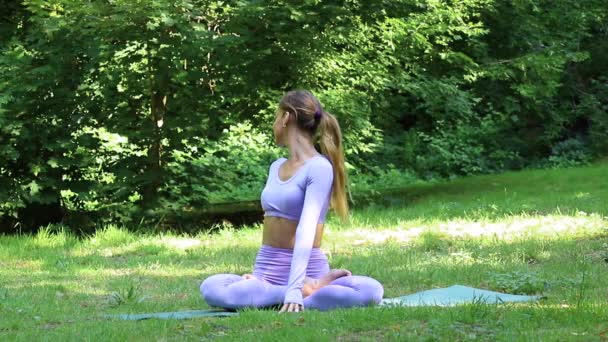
[311, 117]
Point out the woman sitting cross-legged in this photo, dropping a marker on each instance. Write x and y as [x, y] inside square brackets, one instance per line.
[290, 269]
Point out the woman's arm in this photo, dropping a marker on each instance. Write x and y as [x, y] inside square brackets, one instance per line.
[318, 190]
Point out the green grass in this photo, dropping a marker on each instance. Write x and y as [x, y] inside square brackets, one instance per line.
[535, 232]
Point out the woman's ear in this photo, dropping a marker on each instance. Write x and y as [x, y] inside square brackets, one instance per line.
[285, 119]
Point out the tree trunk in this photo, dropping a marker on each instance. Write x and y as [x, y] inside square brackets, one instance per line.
[158, 102]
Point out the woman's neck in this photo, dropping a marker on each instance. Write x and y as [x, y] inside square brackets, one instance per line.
[300, 147]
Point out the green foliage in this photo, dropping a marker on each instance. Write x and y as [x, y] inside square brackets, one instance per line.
[518, 282]
[466, 147]
[130, 294]
[568, 153]
[594, 106]
[141, 111]
[231, 169]
[110, 236]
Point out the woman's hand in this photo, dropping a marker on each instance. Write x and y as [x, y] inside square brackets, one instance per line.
[291, 307]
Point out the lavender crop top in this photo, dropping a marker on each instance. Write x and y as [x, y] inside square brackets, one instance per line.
[303, 198]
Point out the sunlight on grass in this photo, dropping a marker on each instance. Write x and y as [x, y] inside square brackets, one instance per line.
[137, 271]
[513, 227]
[20, 264]
[181, 243]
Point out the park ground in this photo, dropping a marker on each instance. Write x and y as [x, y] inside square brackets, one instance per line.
[530, 232]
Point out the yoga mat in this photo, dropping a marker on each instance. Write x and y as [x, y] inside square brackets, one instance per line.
[448, 296]
[174, 315]
[455, 295]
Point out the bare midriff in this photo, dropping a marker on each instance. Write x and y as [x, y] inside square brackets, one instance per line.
[281, 233]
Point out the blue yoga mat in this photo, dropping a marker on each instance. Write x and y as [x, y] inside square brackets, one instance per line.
[455, 295]
[174, 315]
[448, 296]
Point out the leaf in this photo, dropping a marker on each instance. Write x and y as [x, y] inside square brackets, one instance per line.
[53, 163]
[152, 25]
[167, 20]
[34, 188]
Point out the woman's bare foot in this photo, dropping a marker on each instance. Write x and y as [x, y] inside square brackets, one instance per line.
[313, 285]
[248, 276]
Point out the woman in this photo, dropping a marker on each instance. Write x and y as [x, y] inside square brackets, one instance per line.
[290, 268]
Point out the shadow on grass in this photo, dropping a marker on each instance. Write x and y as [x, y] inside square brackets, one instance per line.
[402, 269]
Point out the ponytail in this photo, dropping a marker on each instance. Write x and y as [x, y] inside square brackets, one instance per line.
[310, 117]
[330, 142]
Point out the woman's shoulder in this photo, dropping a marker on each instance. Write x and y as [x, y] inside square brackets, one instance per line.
[320, 164]
[321, 159]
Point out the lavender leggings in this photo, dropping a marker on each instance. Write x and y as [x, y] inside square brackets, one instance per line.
[271, 270]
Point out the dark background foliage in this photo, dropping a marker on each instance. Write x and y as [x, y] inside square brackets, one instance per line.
[150, 113]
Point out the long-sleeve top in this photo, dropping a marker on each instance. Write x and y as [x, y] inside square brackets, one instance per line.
[303, 198]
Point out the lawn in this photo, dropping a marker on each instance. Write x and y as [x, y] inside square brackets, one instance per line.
[532, 232]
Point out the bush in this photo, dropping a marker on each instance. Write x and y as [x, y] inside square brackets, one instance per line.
[232, 169]
[467, 147]
[595, 107]
[525, 283]
[570, 152]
